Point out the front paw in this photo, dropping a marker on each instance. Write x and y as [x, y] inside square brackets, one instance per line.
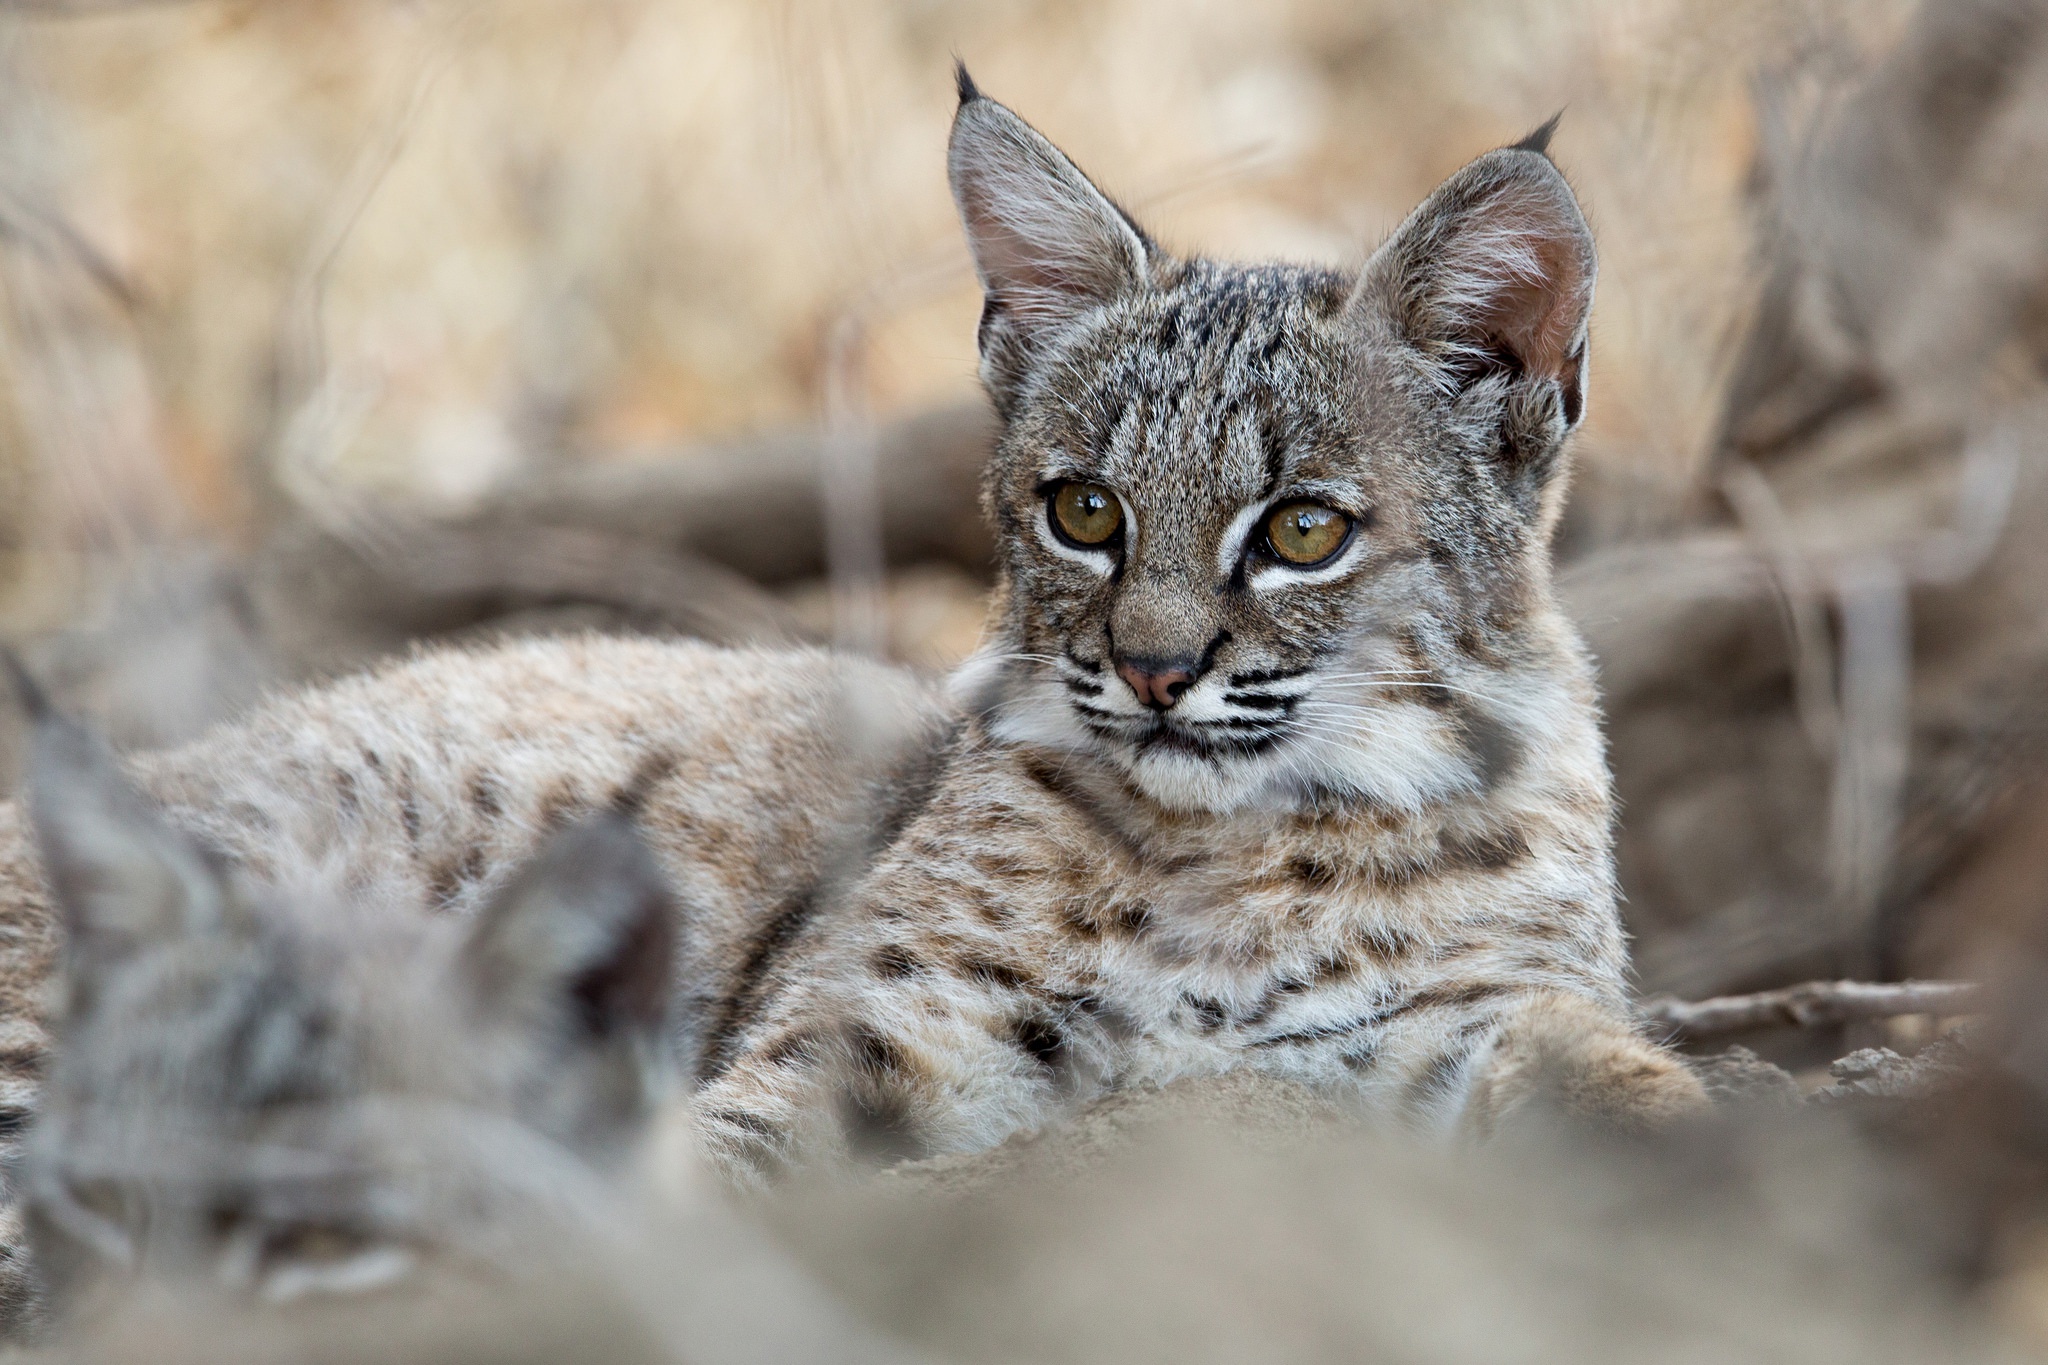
[1587, 1061]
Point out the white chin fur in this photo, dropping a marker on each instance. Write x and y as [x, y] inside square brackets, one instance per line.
[1396, 756]
[1184, 782]
[1400, 755]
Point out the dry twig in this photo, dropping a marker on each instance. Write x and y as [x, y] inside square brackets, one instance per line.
[1812, 1004]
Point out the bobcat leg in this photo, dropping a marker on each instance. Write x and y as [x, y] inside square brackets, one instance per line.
[1586, 1058]
[898, 1082]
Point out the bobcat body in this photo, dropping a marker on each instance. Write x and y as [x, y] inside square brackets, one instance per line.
[1278, 753]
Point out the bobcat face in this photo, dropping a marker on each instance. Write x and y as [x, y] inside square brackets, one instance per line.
[1269, 533]
[285, 1094]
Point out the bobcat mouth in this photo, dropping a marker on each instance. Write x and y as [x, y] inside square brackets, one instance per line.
[1213, 739]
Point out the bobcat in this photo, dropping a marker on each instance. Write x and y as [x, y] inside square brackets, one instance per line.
[280, 1089]
[1278, 752]
[294, 1121]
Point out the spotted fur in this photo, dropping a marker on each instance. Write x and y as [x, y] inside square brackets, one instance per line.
[1367, 846]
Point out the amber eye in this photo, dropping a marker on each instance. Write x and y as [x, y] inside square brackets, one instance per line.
[1085, 514]
[1306, 532]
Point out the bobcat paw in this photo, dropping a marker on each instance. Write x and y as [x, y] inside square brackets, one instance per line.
[1587, 1061]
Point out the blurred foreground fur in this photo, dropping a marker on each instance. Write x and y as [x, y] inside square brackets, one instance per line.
[288, 1091]
[1235, 1219]
[280, 1093]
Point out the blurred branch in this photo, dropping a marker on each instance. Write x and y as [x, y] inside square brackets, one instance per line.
[42, 228]
[757, 504]
[1763, 516]
[314, 413]
[81, 386]
[1812, 1005]
[1873, 740]
[850, 485]
[332, 602]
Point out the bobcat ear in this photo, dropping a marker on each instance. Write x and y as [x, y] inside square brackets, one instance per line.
[122, 877]
[1047, 244]
[574, 958]
[1493, 274]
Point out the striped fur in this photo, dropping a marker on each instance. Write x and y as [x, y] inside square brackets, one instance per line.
[1367, 848]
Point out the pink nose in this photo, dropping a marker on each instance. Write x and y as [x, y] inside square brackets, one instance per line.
[1157, 690]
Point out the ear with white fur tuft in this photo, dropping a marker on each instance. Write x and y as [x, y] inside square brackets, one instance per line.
[573, 961]
[123, 878]
[1493, 276]
[1048, 245]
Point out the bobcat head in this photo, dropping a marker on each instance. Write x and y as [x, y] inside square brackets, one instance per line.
[1273, 533]
[280, 1090]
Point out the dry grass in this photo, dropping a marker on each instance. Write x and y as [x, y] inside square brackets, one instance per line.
[546, 227]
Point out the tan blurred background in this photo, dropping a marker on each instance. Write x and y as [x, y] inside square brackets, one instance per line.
[329, 327]
[536, 230]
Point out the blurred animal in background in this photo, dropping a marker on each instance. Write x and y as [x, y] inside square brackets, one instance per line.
[303, 914]
[285, 1089]
[290, 1116]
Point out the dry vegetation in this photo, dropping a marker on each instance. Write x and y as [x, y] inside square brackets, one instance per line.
[426, 249]
[328, 325]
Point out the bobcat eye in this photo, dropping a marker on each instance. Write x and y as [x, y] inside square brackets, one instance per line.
[1306, 532]
[1085, 514]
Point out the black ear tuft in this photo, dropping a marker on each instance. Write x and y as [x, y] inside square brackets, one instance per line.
[964, 83]
[1539, 141]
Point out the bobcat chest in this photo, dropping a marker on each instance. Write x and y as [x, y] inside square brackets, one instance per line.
[1212, 963]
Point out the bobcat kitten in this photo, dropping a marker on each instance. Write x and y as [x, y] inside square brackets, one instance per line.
[1279, 752]
[294, 1095]
[283, 1090]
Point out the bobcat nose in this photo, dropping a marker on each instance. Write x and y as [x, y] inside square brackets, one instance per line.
[1157, 685]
